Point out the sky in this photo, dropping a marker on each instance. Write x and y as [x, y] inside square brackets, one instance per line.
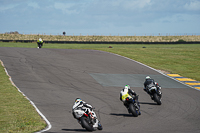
[101, 17]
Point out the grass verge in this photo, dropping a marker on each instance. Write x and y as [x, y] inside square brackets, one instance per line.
[16, 112]
[183, 59]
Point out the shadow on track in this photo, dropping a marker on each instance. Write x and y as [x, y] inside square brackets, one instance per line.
[125, 115]
[78, 130]
[148, 103]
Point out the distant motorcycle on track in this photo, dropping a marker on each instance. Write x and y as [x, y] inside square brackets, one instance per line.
[40, 43]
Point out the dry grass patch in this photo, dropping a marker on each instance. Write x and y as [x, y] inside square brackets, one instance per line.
[186, 38]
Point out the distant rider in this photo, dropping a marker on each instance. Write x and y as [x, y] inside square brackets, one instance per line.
[79, 104]
[126, 92]
[40, 43]
[148, 81]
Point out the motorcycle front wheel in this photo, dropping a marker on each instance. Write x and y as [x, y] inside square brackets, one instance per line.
[85, 124]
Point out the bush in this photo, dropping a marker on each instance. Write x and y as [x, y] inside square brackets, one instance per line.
[181, 40]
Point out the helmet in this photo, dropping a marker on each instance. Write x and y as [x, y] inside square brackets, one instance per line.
[147, 77]
[40, 39]
[78, 100]
[127, 87]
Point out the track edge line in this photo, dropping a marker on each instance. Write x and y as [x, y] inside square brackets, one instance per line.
[48, 123]
[152, 69]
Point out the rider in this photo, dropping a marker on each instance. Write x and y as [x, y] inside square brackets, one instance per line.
[149, 81]
[40, 42]
[79, 104]
[126, 92]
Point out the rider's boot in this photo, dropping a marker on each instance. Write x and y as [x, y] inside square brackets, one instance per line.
[139, 113]
[99, 126]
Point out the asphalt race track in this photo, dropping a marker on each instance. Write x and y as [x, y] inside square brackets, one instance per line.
[53, 78]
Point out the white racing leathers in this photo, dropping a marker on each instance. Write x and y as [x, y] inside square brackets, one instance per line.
[80, 108]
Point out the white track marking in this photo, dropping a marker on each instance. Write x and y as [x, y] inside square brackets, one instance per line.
[48, 123]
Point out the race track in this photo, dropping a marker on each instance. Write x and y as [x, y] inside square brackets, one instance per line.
[53, 78]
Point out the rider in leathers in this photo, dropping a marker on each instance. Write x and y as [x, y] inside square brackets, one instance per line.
[149, 81]
[40, 42]
[79, 104]
[126, 92]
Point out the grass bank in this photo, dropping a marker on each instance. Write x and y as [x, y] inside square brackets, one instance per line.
[17, 115]
[152, 38]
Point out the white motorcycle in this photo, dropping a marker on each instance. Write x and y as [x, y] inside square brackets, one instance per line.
[87, 118]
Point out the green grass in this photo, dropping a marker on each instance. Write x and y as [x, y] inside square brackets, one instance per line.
[181, 59]
[17, 115]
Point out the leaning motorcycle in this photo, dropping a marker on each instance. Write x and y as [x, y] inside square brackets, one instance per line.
[155, 93]
[87, 118]
[133, 106]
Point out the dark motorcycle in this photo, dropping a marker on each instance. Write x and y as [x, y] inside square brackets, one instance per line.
[40, 45]
[133, 106]
[155, 93]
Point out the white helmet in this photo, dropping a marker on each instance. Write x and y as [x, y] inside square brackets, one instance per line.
[78, 100]
[147, 77]
[127, 87]
[40, 39]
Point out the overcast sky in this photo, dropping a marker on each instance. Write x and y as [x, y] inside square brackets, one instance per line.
[100, 17]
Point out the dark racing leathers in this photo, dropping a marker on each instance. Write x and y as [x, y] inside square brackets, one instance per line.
[148, 82]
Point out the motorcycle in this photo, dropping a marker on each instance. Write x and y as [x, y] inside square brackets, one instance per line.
[133, 106]
[40, 45]
[155, 93]
[87, 118]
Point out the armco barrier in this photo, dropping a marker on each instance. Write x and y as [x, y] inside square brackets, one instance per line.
[25, 41]
[101, 42]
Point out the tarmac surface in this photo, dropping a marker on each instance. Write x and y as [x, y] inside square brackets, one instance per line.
[53, 78]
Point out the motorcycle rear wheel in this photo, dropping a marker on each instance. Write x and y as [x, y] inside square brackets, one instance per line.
[157, 99]
[133, 110]
[85, 124]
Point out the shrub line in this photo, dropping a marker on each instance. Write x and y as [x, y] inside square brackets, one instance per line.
[104, 42]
